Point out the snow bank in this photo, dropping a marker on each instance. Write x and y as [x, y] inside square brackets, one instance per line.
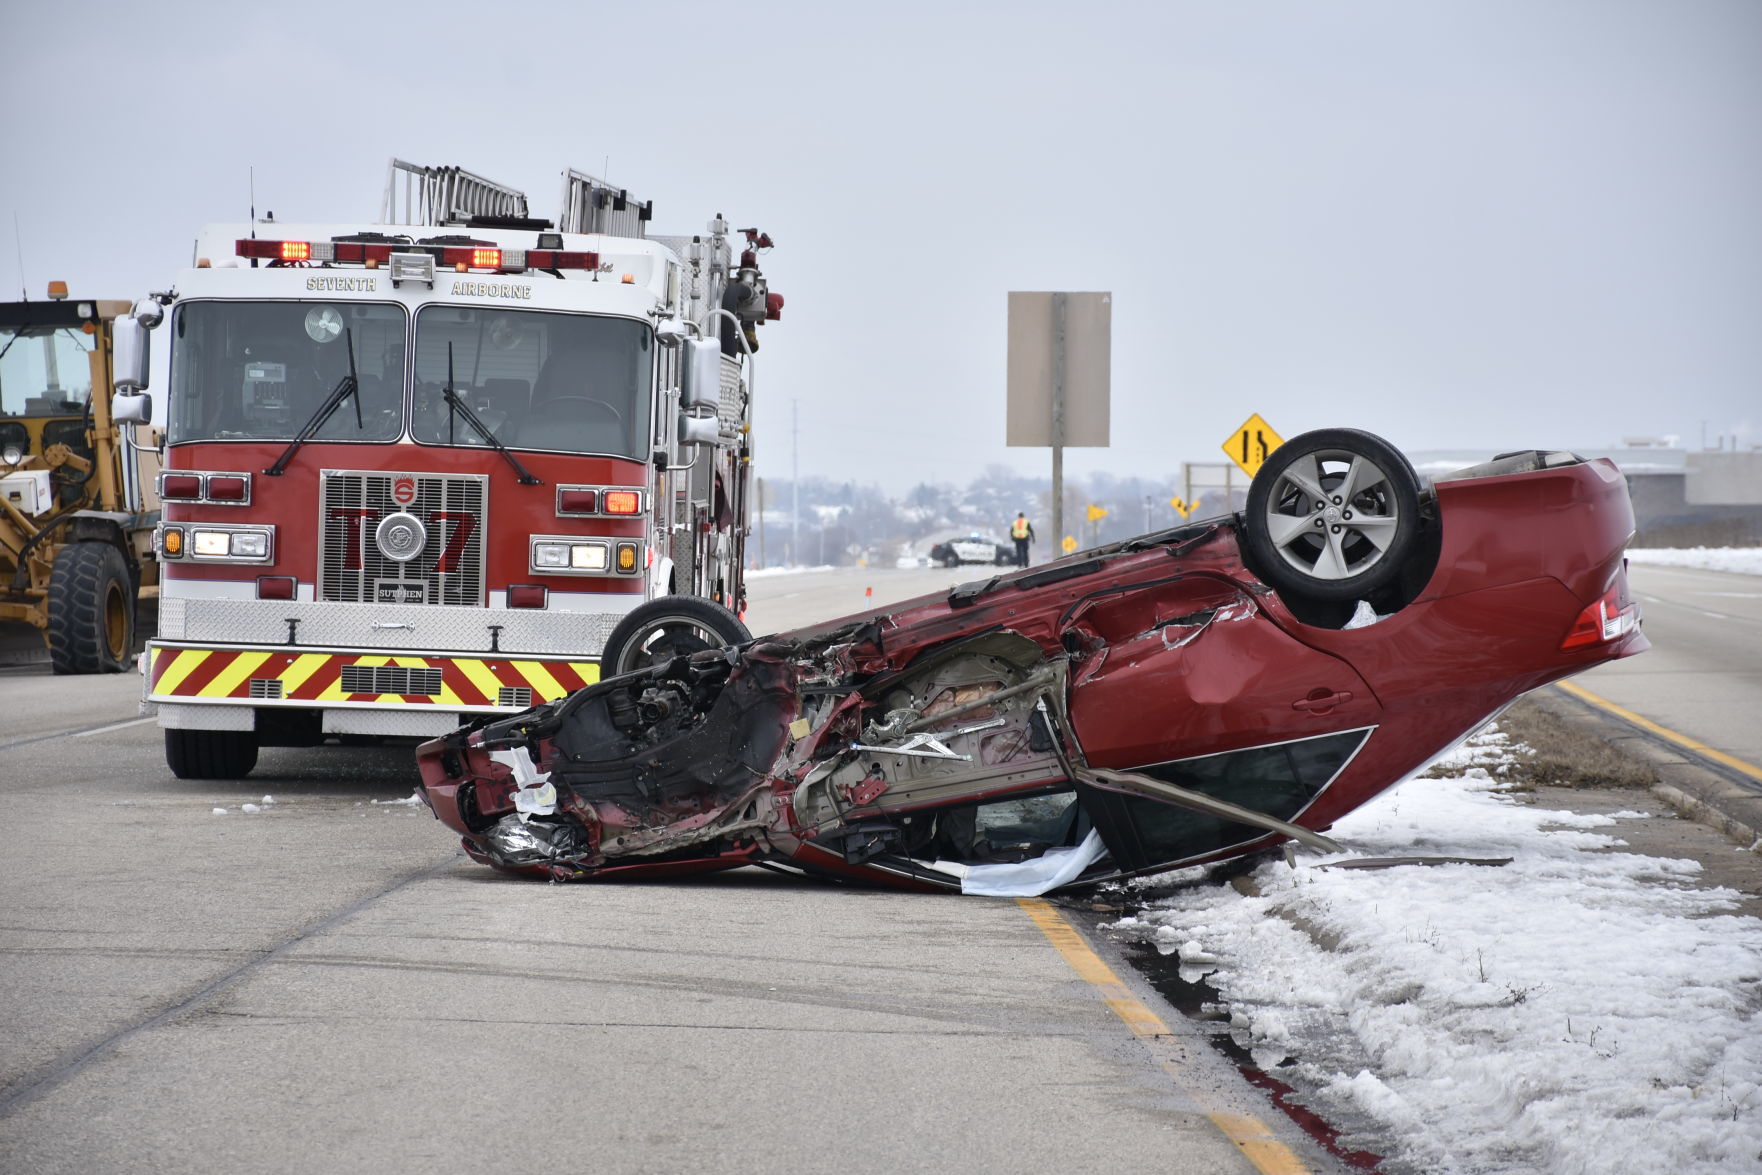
[1579, 1010]
[1744, 560]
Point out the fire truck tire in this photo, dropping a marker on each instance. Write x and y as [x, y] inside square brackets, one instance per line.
[671, 626]
[210, 754]
[91, 606]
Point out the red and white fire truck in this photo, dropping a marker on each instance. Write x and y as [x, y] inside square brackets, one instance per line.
[460, 461]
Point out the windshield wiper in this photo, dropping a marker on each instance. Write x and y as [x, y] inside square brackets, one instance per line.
[345, 387]
[456, 404]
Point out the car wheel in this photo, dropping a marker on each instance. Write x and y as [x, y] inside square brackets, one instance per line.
[1332, 515]
[672, 626]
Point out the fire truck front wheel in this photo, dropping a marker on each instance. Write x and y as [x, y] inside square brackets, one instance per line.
[210, 754]
[91, 610]
[672, 626]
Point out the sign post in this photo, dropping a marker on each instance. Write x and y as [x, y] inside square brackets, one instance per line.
[1060, 348]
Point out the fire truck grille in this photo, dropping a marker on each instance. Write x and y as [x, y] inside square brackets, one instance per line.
[448, 569]
[391, 679]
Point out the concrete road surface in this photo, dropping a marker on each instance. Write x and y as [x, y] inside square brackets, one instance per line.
[326, 984]
[1703, 675]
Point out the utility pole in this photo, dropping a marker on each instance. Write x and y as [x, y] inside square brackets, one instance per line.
[1058, 421]
[794, 483]
[759, 483]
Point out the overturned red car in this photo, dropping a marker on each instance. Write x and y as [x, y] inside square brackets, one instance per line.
[1183, 697]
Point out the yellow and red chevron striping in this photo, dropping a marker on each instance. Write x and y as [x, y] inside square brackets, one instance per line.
[195, 674]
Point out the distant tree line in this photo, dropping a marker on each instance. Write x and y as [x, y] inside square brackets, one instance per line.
[844, 522]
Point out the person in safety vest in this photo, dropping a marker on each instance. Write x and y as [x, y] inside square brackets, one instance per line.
[1022, 531]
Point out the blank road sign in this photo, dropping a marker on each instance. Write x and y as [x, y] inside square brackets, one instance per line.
[1036, 344]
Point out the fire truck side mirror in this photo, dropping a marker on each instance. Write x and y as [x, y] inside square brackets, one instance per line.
[127, 409]
[700, 378]
[699, 430]
[131, 354]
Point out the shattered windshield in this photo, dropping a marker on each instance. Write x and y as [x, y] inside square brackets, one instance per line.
[45, 370]
[572, 383]
[259, 370]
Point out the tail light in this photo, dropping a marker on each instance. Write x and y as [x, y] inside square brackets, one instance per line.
[1604, 620]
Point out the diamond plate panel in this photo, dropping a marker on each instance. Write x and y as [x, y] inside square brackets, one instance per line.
[396, 626]
[423, 723]
[733, 402]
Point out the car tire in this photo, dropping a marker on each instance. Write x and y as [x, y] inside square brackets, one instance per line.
[91, 606]
[671, 626]
[210, 754]
[1306, 539]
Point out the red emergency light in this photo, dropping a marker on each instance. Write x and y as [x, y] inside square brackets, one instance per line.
[180, 485]
[621, 502]
[379, 253]
[225, 488]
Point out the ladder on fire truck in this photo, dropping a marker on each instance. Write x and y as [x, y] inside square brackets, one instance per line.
[591, 205]
[445, 195]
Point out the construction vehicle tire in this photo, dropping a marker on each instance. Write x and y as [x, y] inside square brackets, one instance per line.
[91, 608]
[211, 754]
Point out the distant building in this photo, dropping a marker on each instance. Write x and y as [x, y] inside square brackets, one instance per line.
[1681, 498]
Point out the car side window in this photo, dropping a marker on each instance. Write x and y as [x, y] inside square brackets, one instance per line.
[1280, 779]
[1006, 830]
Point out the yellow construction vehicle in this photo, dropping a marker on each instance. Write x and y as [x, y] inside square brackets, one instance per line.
[77, 497]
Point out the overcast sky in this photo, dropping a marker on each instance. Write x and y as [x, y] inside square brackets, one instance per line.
[1474, 224]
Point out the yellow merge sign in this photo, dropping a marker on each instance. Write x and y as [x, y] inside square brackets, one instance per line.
[1069, 545]
[1250, 445]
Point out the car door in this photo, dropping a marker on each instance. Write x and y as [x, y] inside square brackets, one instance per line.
[1189, 682]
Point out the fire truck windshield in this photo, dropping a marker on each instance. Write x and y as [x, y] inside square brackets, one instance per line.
[572, 383]
[259, 370]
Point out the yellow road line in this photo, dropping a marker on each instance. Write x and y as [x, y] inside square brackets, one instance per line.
[1251, 1136]
[1663, 732]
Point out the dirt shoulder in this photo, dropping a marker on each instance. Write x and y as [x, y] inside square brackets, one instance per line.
[1581, 761]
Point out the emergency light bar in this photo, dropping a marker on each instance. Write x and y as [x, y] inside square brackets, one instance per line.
[375, 255]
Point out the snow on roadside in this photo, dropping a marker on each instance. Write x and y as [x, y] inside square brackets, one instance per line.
[1743, 560]
[1574, 1011]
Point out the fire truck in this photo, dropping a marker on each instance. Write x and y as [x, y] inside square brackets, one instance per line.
[460, 461]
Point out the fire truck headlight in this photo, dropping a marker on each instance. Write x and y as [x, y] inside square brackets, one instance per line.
[550, 554]
[588, 557]
[250, 546]
[211, 542]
